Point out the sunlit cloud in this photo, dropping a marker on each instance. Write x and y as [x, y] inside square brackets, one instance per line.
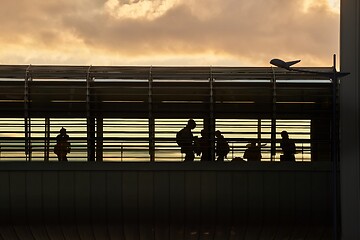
[328, 5]
[148, 9]
[335, 5]
[168, 32]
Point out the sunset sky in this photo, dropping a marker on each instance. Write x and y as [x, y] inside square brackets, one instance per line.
[168, 32]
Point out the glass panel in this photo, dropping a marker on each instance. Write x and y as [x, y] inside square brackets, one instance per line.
[126, 140]
[12, 142]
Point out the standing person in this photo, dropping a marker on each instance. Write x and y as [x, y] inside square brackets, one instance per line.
[288, 147]
[185, 140]
[252, 153]
[204, 144]
[222, 146]
[62, 147]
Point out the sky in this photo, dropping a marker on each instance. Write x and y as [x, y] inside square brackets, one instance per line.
[168, 32]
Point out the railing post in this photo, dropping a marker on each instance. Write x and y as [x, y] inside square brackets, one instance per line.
[47, 139]
[99, 139]
[151, 120]
[273, 119]
[121, 151]
[90, 119]
[27, 119]
[259, 133]
[335, 150]
[232, 150]
[212, 117]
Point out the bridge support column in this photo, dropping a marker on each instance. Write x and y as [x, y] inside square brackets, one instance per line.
[349, 119]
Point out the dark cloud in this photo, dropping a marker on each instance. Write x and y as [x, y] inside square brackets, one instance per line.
[251, 31]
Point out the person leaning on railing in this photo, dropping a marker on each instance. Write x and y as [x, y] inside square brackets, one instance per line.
[185, 140]
[288, 147]
[62, 147]
[222, 147]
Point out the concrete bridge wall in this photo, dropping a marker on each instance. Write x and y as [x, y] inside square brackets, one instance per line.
[165, 200]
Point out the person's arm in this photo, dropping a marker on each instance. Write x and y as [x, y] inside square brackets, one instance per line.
[245, 156]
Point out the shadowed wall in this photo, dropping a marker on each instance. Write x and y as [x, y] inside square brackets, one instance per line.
[165, 200]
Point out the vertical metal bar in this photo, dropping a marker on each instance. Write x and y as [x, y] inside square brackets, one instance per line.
[259, 132]
[27, 120]
[212, 117]
[151, 120]
[302, 152]
[90, 119]
[121, 151]
[313, 140]
[26, 115]
[232, 150]
[273, 119]
[334, 148]
[47, 139]
[99, 139]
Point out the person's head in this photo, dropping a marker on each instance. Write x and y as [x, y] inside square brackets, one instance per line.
[218, 133]
[253, 143]
[191, 124]
[63, 131]
[284, 134]
[203, 133]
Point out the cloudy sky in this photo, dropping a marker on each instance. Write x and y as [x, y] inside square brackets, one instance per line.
[168, 32]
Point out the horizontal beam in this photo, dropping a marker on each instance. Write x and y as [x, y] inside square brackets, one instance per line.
[142, 72]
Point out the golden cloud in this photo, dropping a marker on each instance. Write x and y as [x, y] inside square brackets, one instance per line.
[135, 9]
[168, 32]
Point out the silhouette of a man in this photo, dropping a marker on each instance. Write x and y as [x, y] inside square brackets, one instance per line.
[252, 153]
[62, 147]
[288, 147]
[185, 140]
[222, 146]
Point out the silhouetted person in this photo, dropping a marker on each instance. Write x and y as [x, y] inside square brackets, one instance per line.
[222, 146]
[185, 140]
[62, 147]
[288, 147]
[204, 144]
[252, 153]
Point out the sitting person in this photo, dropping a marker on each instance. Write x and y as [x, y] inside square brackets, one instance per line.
[252, 153]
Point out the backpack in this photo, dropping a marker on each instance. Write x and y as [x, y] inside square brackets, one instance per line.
[180, 137]
[62, 148]
[292, 147]
[223, 148]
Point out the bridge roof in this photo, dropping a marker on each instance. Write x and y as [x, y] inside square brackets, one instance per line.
[176, 91]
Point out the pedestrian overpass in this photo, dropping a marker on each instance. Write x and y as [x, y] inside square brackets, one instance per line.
[125, 178]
